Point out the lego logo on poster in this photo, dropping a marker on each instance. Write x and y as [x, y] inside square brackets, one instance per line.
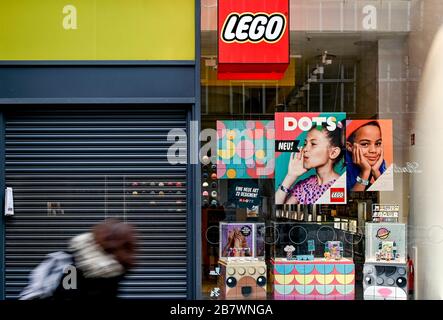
[337, 194]
[253, 27]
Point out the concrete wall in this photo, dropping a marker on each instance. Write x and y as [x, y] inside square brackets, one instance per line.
[392, 102]
[334, 15]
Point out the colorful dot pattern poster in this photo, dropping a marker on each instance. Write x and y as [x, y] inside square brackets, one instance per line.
[245, 149]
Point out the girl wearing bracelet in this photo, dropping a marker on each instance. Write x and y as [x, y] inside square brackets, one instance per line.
[321, 151]
[364, 156]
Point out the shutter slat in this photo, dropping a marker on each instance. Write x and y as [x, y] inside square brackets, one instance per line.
[72, 168]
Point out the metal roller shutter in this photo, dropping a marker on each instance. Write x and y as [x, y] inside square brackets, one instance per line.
[72, 167]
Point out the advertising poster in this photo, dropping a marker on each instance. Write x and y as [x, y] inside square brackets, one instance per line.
[237, 239]
[369, 155]
[310, 159]
[245, 149]
[244, 193]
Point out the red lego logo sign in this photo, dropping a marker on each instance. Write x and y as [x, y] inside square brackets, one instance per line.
[253, 39]
[338, 195]
[253, 27]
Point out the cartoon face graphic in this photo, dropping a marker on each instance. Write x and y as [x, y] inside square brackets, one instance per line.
[248, 282]
[384, 283]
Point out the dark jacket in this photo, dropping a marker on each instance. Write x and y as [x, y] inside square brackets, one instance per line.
[93, 275]
[89, 289]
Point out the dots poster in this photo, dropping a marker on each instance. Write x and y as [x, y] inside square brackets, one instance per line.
[310, 158]
[245, 149]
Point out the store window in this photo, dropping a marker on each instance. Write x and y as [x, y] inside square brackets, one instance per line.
[336, 217]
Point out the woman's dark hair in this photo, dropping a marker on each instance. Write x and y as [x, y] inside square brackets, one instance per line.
[374, 123]
[116, 238]
[335, 137]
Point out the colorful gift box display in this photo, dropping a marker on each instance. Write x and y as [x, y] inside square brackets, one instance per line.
[242, 279]
[319, 279]
[242, 239]
[386, 243]
[385, 272]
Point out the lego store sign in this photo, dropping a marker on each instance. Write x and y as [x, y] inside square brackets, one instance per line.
[253, 39]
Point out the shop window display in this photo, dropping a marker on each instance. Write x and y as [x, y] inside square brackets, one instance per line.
[386, 267]
[319, 266]
[318, 279]
[320, 240]
[313, 260]
[242, 240]
[243, 271]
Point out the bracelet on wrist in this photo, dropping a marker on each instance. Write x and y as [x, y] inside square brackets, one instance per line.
[362, 181]
[284, 189]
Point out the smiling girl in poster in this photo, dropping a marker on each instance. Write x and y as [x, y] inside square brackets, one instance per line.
[368, 151]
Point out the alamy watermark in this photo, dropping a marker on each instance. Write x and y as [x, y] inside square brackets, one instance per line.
[225, 143]
[232, 142]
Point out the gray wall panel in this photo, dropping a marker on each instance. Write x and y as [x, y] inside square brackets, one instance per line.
[150, 81]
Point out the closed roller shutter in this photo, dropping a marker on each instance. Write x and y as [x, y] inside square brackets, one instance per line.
[71, 168]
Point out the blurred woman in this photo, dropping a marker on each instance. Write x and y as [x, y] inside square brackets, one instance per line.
[101, 259]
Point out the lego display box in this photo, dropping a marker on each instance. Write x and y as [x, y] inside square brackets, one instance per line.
[385, 275]
[243, 272]
[386, 243]
[242, 239]
[385, 282]
[242, 279]
[318, 279]
[301, 234]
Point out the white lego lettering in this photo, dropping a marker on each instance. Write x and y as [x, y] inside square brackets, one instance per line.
[253, 27]
[337, 195]
[258, 28]
[242, 28]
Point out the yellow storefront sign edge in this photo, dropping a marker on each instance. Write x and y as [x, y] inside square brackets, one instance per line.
[97, 30]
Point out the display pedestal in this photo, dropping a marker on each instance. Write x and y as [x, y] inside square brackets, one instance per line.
[242, 279]
[385, 280]
[319, 279]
